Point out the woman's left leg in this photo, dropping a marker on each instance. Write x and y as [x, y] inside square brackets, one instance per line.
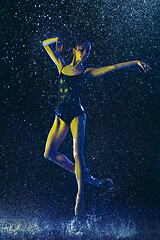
[77, 127]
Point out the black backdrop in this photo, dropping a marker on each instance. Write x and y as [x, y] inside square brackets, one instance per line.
[122, 129]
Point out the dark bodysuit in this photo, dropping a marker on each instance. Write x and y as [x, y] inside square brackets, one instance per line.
[69, 104]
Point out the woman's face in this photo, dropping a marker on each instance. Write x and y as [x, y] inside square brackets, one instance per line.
[81, 52]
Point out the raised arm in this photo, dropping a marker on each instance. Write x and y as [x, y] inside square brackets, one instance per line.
[103, 70]
[56, 58]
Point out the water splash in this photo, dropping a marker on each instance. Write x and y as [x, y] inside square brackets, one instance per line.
[96, 228]
[90, 228]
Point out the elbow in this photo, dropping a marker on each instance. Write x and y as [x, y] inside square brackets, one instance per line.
[43, 43]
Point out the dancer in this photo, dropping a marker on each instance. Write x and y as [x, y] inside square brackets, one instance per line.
[69, 111]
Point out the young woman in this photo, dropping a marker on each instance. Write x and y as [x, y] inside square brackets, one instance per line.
[69, 111]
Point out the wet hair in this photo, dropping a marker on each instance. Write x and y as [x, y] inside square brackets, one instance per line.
[81, 42]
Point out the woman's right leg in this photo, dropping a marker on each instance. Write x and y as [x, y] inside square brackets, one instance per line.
[55, 138]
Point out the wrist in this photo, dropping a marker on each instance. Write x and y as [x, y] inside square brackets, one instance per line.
[139, 63]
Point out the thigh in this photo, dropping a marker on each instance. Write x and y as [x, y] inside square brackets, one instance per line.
[57, 133]
[78, 132]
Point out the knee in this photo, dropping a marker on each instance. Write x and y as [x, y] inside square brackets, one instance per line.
[50, 154]
[46, 154]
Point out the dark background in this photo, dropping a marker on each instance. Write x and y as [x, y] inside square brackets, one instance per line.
[122, 129]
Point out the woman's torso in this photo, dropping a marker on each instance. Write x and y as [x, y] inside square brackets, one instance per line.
[70, 87]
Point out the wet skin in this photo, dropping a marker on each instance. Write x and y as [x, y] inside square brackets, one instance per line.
[77, 126]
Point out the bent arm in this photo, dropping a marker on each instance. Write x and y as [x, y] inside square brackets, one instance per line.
[49, 41]
[103, 70]
[52, 53]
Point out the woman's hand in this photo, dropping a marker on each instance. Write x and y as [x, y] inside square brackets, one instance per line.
[59, 44]
[144, 66]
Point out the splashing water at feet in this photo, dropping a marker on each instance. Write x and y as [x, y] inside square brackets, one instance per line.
[89, 228]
